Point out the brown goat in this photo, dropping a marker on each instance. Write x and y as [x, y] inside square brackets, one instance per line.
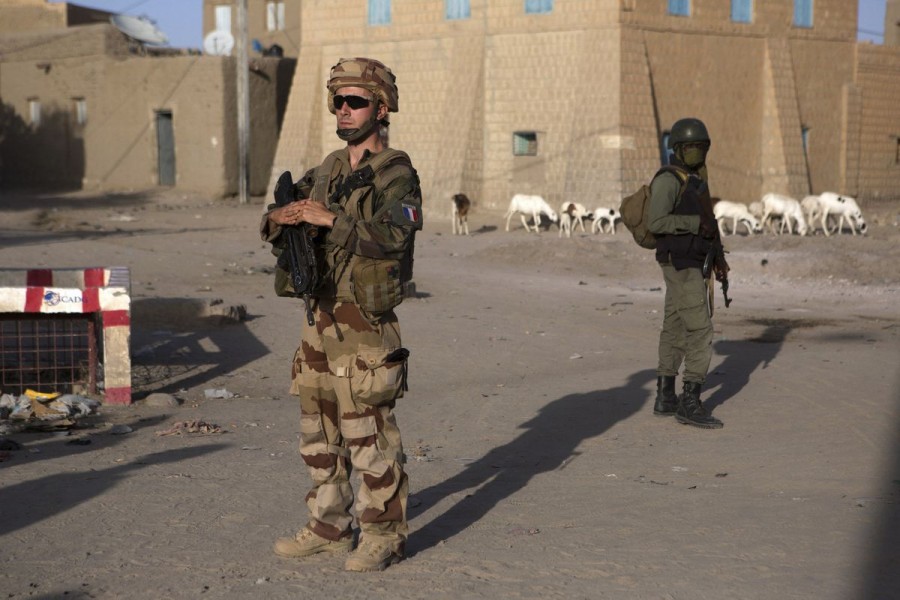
[460, 214]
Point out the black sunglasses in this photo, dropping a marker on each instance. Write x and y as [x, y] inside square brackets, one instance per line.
[354, 102]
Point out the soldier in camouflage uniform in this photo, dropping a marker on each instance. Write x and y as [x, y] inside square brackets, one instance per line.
[350, 367]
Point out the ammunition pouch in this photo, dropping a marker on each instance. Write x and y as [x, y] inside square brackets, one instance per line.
[376, 284]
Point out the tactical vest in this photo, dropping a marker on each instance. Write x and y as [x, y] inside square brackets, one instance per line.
[685, 250]
[374, 284]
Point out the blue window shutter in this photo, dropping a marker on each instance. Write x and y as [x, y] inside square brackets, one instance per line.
[803, 13]
[742, 11]
[681, 8]
[538, 6]
[457, 9]
[379, 12]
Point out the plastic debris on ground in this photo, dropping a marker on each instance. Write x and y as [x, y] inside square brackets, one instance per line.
[42, 411]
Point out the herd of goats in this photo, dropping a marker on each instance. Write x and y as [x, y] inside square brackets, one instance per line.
[775, 213]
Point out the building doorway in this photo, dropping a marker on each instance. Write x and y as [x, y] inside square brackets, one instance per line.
[165, 147]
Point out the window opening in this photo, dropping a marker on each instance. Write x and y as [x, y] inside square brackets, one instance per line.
[803, 13]
[536, 7]
[680, 8]
[742, 11]
[223, 18]
[457, 9]
[524, 143]
[379, 12]
[79, 106]
[275, 16]
[34, 111]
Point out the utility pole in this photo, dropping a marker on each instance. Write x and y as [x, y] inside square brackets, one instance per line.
[243, 102]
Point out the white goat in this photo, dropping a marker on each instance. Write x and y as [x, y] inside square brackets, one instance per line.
[739, 214]
[603, 215]
[530, 205]
[577, 213]
[812, 210]
[756, 209]
[460, 214]
[788, 209]
[844, 207]
[565, 224]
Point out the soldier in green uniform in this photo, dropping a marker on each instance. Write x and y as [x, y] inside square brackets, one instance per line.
[680, 216]
[350, 368]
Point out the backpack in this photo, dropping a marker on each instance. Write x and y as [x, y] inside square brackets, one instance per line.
[635, 208]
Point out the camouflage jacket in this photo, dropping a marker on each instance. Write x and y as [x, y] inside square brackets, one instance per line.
[378, 207]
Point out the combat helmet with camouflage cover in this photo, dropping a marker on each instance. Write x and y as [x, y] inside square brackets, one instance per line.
[366, 73]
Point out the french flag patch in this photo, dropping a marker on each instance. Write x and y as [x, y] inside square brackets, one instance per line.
[411, 213]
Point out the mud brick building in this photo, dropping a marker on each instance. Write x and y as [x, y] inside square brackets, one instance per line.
[572, 99]
[82, 105]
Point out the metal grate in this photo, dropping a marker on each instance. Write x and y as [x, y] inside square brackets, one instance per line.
[48, 353]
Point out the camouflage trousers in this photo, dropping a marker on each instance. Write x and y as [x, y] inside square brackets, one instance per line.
[687, 329]
[348, 374]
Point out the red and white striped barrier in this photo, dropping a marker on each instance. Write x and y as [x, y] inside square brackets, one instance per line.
[103, 290]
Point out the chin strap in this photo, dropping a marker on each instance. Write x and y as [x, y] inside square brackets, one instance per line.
[355, 135]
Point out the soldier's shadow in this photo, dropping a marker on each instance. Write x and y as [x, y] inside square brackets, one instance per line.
[548, 441]
[742, 359]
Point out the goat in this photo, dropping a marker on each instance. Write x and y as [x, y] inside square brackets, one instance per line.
[812, 210]
[787, 208]
[577, 213]
[565, 224]
[530, 205]
[603, 214]
[460, 214]
[739, 214]
[844, 207]
[756, 209]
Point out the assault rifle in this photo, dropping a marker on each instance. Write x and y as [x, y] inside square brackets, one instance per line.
[301, 257]
[716, 255]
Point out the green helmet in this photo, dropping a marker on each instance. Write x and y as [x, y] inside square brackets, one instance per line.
[688, 130]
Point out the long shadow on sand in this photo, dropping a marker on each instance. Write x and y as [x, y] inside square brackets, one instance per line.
[178, 347]
[30, 502]
[742, 358]
[548, 441]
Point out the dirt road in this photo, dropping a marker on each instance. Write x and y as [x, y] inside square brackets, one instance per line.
[537, 468]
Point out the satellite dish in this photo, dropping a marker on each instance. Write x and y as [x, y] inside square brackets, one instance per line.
[218, 43]
[140, 28]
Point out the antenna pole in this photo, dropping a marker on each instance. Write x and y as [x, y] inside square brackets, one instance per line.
[243, 101]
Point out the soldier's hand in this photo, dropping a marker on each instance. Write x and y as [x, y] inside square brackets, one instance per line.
[721, 269]
[708, 229]
[289, 214]
[316, 213]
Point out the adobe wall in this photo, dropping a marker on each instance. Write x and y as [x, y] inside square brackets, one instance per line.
[117, 148]
[124, 145]
[39, 15]
[878, 78]
[31, 15]
[466, 86]
[599, 82]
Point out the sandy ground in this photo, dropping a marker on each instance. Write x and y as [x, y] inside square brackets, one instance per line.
[537, 468]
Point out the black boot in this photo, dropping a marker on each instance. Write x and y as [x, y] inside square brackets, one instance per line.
[690, 409]
[666, 400]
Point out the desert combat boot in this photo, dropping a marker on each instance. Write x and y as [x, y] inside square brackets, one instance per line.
[666, 399]
[307, 543]
[692, 412]
[372, 555]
